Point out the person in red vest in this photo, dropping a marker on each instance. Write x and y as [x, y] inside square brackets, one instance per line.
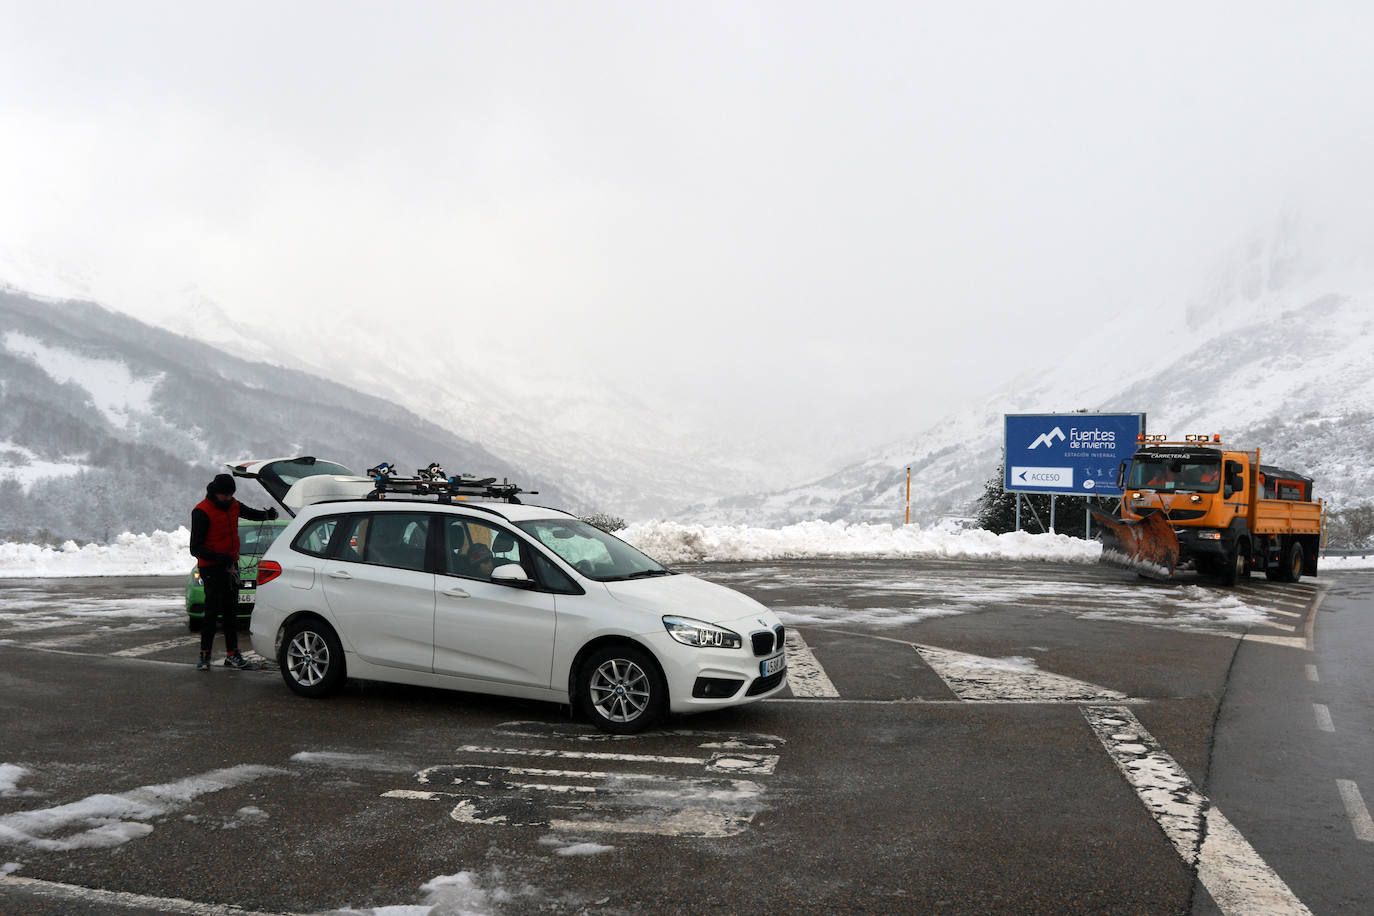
[215, 545]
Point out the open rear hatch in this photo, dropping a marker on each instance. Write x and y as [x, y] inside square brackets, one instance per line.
[282, 479]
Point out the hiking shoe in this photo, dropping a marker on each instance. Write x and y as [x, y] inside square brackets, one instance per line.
[234, 660]
[204, 663]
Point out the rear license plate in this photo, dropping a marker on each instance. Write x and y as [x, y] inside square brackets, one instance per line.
[773, 665]
[246, 597]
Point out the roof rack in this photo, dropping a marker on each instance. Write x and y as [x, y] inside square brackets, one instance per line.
[433, 481]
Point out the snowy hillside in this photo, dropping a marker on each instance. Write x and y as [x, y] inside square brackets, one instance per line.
[1277, 352]
[607, 445]
[108, 425]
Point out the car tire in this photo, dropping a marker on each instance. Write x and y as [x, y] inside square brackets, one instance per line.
[311, 658]
[620, 689]
[193, 623]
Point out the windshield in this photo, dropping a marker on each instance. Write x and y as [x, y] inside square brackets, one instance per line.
[1175, 473]
[591, 551]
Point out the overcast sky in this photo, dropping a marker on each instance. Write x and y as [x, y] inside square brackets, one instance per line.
[798, 203]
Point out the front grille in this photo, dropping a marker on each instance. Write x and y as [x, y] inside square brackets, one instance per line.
[765, 684]
[1177, 515]
[763, 643]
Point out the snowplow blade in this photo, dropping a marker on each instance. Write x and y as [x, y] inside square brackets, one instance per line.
[1147, 546]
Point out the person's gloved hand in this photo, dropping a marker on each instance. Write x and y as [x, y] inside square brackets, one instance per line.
[272, 513]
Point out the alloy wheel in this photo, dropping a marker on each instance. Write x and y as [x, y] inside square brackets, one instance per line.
[620, 690]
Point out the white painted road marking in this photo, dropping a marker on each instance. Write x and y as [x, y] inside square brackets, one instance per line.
[1323, 715]
[746, 741]
[805, 676]
[1291, 642]
[1311, 673]
[983, 680]
[1355, 808]
[666, 804]
[1234, 874]
[733, 763]
[149, 649]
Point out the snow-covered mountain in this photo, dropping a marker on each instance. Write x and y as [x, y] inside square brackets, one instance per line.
[1276, 352]
[110, 425]
[608, 447]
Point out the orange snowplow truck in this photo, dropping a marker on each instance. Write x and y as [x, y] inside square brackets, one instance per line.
[1195, 504]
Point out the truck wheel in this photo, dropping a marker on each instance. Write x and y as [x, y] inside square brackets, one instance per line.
[1292, 562]
[1236, 566]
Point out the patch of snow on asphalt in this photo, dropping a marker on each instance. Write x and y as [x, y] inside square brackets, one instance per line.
[10, 775]
[459, 894]
[104, 820]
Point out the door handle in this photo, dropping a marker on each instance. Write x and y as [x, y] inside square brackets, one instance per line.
[456, 592]
[339, 574]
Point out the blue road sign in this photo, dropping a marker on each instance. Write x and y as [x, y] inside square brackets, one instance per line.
[1069, 453]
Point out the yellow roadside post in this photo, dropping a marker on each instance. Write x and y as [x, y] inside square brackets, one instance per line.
[908, 496]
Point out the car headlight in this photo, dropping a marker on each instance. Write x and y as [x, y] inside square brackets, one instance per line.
[701, 634]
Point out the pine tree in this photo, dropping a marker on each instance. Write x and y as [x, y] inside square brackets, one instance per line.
[997, 510]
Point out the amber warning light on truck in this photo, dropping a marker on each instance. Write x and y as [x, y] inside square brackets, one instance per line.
[1213, 439]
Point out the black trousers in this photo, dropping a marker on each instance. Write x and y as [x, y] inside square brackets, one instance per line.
[221, 603]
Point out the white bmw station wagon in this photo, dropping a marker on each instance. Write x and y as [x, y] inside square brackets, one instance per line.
[411, 585]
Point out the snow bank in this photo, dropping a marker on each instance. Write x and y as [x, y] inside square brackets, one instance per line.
[669, 543]
[165, 553]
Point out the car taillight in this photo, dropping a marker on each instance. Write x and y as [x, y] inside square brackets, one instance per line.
[267, 571]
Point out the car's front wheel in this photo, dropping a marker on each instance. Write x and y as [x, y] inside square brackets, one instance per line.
[311, 658]
[621, 690]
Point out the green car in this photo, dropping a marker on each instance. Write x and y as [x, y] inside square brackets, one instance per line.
[254, 539]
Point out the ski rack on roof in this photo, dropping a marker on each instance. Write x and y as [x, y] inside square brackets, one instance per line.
[433, 481]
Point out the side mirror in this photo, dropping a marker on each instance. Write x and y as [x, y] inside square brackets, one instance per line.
[1121, 476]
[1227, 491]
[512, 574]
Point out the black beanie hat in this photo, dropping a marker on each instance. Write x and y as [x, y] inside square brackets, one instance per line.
[222, 483]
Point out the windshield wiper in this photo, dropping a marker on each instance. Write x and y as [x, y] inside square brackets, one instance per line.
[641, 574]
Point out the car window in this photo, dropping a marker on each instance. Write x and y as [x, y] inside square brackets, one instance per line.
[354, 538]
[396, 539]
[475, 549]
[591, 551]
[553, 578]
[256, 537]
[314, 537]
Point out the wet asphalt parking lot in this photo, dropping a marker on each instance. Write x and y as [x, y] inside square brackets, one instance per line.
[958, 736]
